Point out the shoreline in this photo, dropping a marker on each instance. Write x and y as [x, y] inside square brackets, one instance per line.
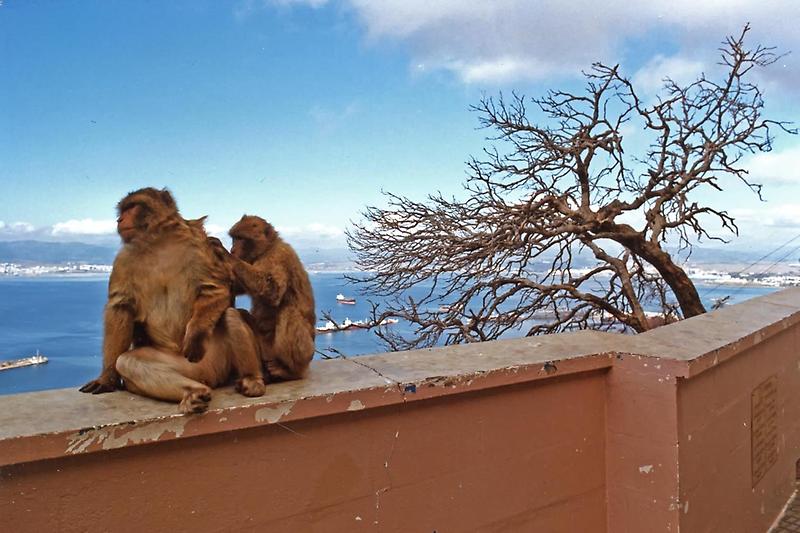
[80, 276]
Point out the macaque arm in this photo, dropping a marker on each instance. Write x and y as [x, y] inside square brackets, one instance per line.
[212, 300]
[266, 284]
[117, 337]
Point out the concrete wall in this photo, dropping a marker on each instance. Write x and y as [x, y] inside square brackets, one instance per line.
[642, 443]
[514, 458]
[715, 425]
[575, 432]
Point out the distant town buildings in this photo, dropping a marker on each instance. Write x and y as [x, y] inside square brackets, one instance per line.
[14, 269]
[714, 277]
[790, 278]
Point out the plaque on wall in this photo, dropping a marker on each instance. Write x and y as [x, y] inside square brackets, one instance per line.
[764, 427]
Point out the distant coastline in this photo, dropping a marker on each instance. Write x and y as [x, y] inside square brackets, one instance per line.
[17, 270]
[61, 270]
[790, 277]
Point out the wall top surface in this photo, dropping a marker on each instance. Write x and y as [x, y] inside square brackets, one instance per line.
[56, 423]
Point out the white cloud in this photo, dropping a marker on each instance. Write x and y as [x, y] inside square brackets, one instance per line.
[86, 226]
[15, 230]
[20, 228]
[650, 78]
[769, 215]
[498, 70]
[244, 8]
[501, 40]
[744, 214]
[491, 42]
[776, 167]
[783, 216]
[216, 230]
[23, 227]
[314, 231]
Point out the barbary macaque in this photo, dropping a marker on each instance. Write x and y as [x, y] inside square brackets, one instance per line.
[282, 312]
[169, 331]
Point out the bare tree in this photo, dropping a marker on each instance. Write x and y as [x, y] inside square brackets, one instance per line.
[512, 254]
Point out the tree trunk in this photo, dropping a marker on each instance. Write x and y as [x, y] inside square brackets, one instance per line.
[673, 275]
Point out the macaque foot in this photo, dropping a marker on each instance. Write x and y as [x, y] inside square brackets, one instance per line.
[195, 401]
[277, 371]
[100, 386]
[251, 386]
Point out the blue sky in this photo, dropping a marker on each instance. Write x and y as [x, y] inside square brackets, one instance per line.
[302, 111]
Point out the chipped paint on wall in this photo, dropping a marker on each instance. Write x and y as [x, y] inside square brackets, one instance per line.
[109, 438]
[273, 414]
[356, 405]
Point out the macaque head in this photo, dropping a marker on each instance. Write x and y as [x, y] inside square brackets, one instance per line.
[140, 211]
[252, 236]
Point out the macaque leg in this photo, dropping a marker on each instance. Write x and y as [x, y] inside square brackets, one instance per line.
[236, 342]
[290, 354]
[166, 376]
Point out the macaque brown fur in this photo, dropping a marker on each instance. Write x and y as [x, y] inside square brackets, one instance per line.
[169, 330]
[282, 313]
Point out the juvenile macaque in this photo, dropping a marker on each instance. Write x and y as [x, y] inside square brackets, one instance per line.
[282, 313]
[169, 331]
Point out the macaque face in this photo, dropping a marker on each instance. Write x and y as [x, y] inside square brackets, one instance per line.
[127, 223]
[239, 249]
[250, 238]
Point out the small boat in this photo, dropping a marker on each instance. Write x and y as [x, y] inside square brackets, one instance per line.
[37, 359]
[342, 299]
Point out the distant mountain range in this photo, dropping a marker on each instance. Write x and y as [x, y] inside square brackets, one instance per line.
[55, 253]
[723, 255]
[33, 252]
[58, 253]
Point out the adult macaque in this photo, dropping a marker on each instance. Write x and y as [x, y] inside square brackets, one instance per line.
[169, 331]
[282, 313]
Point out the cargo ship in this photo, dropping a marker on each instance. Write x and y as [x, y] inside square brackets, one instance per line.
[37, 359]
[342, 299]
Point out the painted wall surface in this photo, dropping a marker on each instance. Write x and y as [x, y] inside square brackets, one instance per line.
[642, 446]
[526, 457]
[715, 419]
[691, 427]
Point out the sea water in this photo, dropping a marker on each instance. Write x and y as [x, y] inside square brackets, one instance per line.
[61, 317]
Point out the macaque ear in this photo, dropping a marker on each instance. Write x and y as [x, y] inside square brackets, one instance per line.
[167, 199]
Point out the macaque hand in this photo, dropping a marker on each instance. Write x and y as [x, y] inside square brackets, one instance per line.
[106, 382]
[194, 344]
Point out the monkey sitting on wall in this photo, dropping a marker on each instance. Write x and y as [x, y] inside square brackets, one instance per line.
[169, 331]
[282, 312]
